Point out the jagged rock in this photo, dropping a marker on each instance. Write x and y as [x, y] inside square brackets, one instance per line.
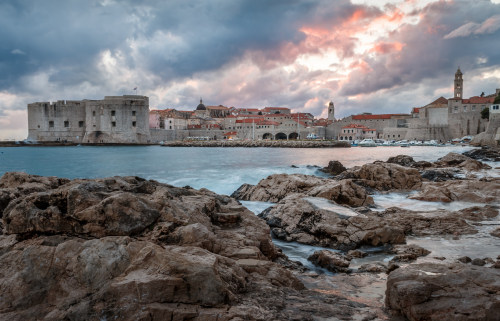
[334, 262]
[440, 174]
[403, 160]
[465, 259]
[356, 253]
[408, 253]
[478, 262]
[296, 218]
[476, 191]
[478, 213]
[334, 168]
[376, 267]
[422, 223]
[484, 154]
[82, 250]
[384, 176]
[495, 232]
[460, 161]
[444, 292]
[276, 187]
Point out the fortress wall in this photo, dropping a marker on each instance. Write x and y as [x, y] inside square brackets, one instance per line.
[118, 119]
[58, 121]
[468, 123]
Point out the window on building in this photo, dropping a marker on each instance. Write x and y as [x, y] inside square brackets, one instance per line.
[133, 124]
[113, 113]
[455, 109]
[93, 113]
[465, 108]
[51, 123]
[473, 108]
[66, 123]
[113, 124]
[170, 127]
[133, 112]
[80, 124]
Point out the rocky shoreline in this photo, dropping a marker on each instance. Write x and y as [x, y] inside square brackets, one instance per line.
[126, 248]
[260, 143]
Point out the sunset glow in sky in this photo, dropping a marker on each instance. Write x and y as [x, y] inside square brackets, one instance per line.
[366, 56]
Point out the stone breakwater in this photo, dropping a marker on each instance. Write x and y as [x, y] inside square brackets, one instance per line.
[260, 143]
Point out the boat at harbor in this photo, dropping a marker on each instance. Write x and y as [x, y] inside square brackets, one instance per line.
[367, 143]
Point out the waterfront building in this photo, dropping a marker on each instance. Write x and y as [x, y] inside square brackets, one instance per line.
[114, 119]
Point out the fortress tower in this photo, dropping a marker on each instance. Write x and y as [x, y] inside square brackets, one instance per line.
[331, 111]
[459, 85]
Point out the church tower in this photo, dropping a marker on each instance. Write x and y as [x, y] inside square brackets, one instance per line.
[331, 111]
[459, 85]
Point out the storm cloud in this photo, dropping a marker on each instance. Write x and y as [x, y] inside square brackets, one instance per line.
[247, 53]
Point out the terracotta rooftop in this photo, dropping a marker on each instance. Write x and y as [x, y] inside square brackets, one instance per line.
[440, 101]
[479, 100]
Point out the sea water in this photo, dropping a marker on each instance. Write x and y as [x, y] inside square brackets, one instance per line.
[221, 170]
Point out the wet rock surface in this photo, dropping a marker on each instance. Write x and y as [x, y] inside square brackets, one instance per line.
[430, 291]
[297, 219]
[484, 154]
[130, 249]
[475, 191]
[334, 168]
[383, 176]
[276, 187]
[460, 161]
[334, 262]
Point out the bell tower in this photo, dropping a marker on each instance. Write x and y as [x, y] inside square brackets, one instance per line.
[331, 111]
[459, 85]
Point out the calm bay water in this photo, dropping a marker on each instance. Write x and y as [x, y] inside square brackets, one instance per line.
[221, 170]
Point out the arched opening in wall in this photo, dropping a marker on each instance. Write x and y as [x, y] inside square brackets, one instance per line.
[350, 137]
[281, 136]
[293, 136]
[267, 136]
[468, 127]
[478, 126]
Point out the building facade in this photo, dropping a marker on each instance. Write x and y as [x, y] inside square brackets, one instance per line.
[114, 119]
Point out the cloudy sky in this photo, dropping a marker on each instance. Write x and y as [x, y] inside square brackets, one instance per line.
[366, 55]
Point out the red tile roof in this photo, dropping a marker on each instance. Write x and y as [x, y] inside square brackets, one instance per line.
[440, 101]
[275, 108]
[355, 126]
[479, 100]
[365, 117]
[415, 110]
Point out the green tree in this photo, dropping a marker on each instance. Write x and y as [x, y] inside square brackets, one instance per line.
[485, 113]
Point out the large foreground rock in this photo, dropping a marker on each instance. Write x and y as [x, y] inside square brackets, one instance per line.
[445, 292]
[129, 249]
[276, 187]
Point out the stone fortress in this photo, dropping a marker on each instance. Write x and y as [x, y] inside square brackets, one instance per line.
[128, 120]
[114, 119]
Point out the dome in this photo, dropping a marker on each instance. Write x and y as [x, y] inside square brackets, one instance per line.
[201, 106]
